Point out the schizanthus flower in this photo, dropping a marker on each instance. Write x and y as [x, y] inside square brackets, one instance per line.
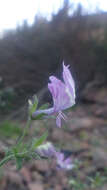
[63, 94]
[47, 150]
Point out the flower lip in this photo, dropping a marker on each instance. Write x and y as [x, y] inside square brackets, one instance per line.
[63, 163]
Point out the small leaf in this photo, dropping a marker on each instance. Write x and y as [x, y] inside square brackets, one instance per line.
[33, 106]
[44, 106]
[38, 142]
[41, 115]
[38, 117]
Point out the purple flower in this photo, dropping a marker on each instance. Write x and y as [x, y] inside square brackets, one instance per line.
[46, 150]
[63, 94]
[63, 163]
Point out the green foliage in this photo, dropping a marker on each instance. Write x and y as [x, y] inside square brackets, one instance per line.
[41, 115]
[91, 182]
[77, 184]
[98, 180]
[7, 97]
[37, 142]
[6, 159]
[19, 162]
[10, 129]
[21, 151]
[44, 106]
[33, 105]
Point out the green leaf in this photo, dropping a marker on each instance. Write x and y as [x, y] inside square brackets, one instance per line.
[44, 106]
[6, 159]
[19, 161]
[8, 152]
[20, 147]
[38, 117]
[38, 142]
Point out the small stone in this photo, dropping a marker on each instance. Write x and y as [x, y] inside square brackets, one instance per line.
[42, 165]
[35, 186]
[37, 177]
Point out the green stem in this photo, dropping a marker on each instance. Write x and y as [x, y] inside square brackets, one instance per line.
[6, 159]
[25, 131]
[21, 153]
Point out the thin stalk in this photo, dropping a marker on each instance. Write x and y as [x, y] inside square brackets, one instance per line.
[6, 159]
[25, 131]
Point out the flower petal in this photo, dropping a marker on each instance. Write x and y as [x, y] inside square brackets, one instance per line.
[63, 163]
[46, 150]
[61, 98]
[59, 156]
[48, 111]
[69, 82]
[58, 120]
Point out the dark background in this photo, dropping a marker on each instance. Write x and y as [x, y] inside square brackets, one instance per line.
[30, 54]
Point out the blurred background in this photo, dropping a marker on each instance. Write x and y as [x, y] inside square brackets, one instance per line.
[35, 37]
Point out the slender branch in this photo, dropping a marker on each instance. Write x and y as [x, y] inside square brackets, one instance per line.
[6, 159]
[25, 131]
